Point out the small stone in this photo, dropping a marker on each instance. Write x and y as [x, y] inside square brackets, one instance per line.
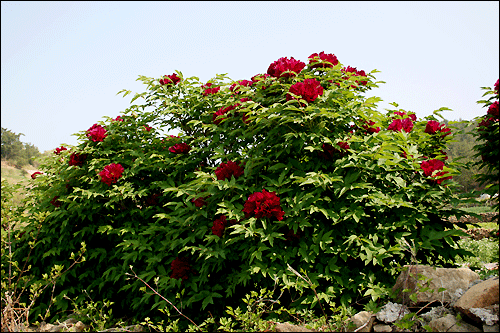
[486, 316]
[78, 327]
[392, 312]
[481, 295]
[361, 318]
[449, 323]
[382, 328]
[492, 328]
[286, 327]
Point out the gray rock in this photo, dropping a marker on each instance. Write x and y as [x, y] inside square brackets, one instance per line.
[391, 312]
[449, 323]
[435, 313]
[451, 279]
[382, 328]
[286, 327]
[362, 318]
[488, 328]
[481, 295]
[485, 315]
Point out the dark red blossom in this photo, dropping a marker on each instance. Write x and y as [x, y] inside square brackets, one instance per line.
[199, 202]
[309, 90]
[170, 79]
[493, 109]
[180, 148]
[235, 86]
[496, 86]
[111, 173]
[77, 159]
[430, 166]
[59, 150]
[368, 127]
[180, 268]
[401, 124]
[284, 67]
[433, 127]
[55, 201]
[209, 90]
[263, 204]
[323, 60]
[260, 77]
[96, 133]
[119, 118]
[329, 151]
[220, 224]
[354, 72]
[226, 170]
[221, 112]
[34, 174]
[148, 128]
[485, 123]
[402, 114]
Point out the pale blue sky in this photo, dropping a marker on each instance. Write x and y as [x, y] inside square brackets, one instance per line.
[62, 63]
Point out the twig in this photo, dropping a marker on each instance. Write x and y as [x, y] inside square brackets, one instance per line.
[147, 285]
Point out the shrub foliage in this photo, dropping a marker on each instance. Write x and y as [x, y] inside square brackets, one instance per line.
[293, 167]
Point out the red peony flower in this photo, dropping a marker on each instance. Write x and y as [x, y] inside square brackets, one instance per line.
[402, 114]
[260, 77]
[180, 268]
[329, 151]
[263, 204]
[59, 150]
[354, 72]
[401, 124]
[226, 170]
[77, 159]
[493, 109]
[199, 202]
[55, 201]
[367, 126]
[235, 86]
[221, 112]
[111, 173]
[485, 123]
[309, 90]
[432, 127]
[282, 65]
[323, 60]
[496, 86]
[209, 90]
[119, 118]
[96, 133]
[170, 79]
[220, 224]
[180, 148]
[446, 131]
[34, 174]
[148, 128]
[434, 165]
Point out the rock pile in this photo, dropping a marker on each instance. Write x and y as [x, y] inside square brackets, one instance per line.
[467, 304]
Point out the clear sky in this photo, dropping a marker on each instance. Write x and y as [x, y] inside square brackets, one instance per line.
[62, 63]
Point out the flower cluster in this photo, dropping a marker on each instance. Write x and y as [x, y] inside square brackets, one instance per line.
[111, 173]
[226, 170]
[309, 90]
[222, 111]
[209, 90]
[493, 110]
[96, 133]
[59, 150]
[55, 201]
[402, 114]
[170, 79]
[34, 174]
[180, 148]
[430, 166]
[368, 127]
[235, 86]
[220, 224]
[180, 268]
[323, 60]
[119, 118]
[329, 151]
[355, 72]
[199, 202]
[284, 67]
[401, 124]
[77, 159]
[263, 204]
[433, 127]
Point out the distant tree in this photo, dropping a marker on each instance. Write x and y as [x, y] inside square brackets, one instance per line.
[461, 149]
[19, 153]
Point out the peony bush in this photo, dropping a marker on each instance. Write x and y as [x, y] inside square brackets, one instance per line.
[291, 167]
